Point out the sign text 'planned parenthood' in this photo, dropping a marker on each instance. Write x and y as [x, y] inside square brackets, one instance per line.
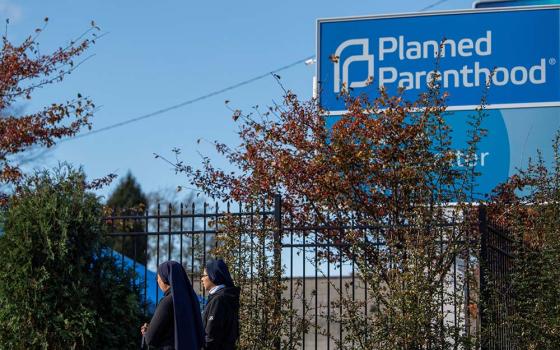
[521, 47]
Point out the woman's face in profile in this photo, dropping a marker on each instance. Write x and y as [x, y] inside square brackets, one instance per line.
[206, 282]
[164, 287]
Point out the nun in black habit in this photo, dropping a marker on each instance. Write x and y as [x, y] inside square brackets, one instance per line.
[221, 314]
[176, 324]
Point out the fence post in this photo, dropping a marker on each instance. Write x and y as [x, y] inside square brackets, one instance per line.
[278, 265]
[483, 271]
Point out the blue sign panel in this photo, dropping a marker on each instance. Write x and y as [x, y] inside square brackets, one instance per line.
[521, 47]
[492, 158]
[529, 130]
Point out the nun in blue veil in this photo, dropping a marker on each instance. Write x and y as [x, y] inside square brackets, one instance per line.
[221, 314]
[177, 323]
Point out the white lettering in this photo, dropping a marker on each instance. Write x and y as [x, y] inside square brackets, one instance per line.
[465, 159]
[419, 75]
[433, 75]
[407, 80]
[488, 45]
[459, 155]
[501, 76]
[467, 76]
[465, 45]
[429, 48]
[465, 71]
[414, 50]
[477, 72]
[386, 80]
[401, 47]
[452, 48]
[471, 160]
[483, 156]
[519, 81]
[446, 75]
[383, 50]
[538, 68]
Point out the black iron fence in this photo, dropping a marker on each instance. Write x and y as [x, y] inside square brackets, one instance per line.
[332, 279]
[142, 240]
[319, 274]
[497, 262]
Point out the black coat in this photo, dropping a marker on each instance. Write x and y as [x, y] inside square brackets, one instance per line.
[161, 330]
[221, 319]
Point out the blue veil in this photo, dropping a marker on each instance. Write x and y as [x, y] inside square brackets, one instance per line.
[218, 272]
[189, 334]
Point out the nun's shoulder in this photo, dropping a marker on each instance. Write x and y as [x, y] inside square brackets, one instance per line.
[167, 301]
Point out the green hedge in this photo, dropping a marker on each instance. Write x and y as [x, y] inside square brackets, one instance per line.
[59, 286]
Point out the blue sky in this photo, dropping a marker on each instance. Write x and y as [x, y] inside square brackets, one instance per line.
[159, 54]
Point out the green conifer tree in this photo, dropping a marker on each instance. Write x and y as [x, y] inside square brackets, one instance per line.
[128, 200]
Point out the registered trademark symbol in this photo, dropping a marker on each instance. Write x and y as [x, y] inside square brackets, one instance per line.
[552, 61]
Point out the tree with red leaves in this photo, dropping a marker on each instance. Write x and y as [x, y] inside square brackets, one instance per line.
[23, 69]
[386, 164]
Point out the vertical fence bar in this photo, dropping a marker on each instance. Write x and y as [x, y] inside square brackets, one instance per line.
[365, 279]
[340, 285]
[484, 292]
[354, 283]
[169, 229]
[146, 228]
[193, 244]
[316, 277]
[251, 253]
[122, 252]
[240, 247]
[134, 239]
[278, 263]
[262, 265]
[304, 300]
[204, 229]
[216, 222]
[123, 241]
[440, 231]
[181, 234]
[291, 281]
[157, 246]
[455, 290]
[467, 301]
[328, 291]
[352, 253]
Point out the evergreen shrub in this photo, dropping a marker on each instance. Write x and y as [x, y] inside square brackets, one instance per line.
[60, 288]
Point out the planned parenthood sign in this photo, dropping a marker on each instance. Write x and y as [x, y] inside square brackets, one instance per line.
[521, 46]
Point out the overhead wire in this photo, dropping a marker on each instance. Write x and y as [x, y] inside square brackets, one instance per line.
[188, 102]
[210, 94]
[437, 3]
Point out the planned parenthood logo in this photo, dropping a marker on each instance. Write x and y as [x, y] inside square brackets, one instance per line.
[474, 75]
[515, 51]
[365, 57]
